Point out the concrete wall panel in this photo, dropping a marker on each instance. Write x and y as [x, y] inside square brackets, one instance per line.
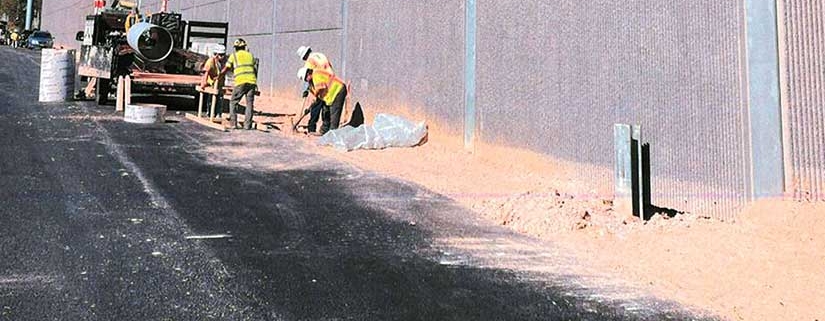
[802, 55]
[285, 62]
[557, 79]
[251, 17]
[307, 15]
[408, 55]
[184, 4]
[261, 48]
[151, 6]
[209, 11]
[64, 20]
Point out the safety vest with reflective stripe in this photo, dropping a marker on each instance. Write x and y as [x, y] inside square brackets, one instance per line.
[213, 68]
[243, 66]
[319, 61]
[322, 79]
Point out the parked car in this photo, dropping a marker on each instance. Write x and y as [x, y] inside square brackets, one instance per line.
[40, 40]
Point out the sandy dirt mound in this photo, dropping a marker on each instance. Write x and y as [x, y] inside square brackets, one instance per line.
[768, 265]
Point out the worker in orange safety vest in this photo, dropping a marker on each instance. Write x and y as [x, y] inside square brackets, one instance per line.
[314, 61]
[211, 72]
[331, 90]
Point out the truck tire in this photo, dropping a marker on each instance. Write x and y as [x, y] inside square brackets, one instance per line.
[102, 91]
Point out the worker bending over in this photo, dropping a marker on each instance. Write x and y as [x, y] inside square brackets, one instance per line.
[212, 76]
[242, 64]
[331, 90]
[314, 61]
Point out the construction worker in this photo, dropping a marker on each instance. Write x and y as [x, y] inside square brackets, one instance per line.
[331, 90]
[15, 37]
[315, 61]
[242, 64]
[211, 70]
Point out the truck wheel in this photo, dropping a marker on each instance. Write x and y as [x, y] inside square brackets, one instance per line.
[102, 91]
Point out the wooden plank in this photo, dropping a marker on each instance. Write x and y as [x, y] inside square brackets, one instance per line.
[205, 122]
[147, 77]
[227, 91]
[121, 90]
[200, 104]
[127, 94]
[212, 105]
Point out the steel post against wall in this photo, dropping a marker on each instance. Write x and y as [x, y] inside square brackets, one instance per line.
[631, 195]
[767, 166]
[273, 61]
[344, 37]
[640, 181]
[623, 171]
[470, 112]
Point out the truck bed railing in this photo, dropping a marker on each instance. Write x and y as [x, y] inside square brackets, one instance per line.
[214, 30]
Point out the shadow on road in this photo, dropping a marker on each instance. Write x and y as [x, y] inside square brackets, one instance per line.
[319, 243]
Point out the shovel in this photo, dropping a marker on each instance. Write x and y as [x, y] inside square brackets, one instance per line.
[300, 112]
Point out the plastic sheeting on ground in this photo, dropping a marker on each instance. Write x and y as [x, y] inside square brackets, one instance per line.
[386, 131]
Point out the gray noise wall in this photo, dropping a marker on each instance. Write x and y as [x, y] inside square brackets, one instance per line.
[408, 56]
[802, 53]
[554, 76]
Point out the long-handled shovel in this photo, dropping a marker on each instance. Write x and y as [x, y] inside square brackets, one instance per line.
[300, 112]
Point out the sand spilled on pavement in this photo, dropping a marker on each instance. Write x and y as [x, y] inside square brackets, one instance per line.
[768, 265]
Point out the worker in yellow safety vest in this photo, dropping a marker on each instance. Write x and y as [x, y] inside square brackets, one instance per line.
[331, 90]
[242, 64]
[211, 72]
[15, 37]
[315, 61]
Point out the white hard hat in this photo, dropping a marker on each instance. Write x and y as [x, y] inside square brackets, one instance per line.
[303, 51]
[219, 49]
[302, 73]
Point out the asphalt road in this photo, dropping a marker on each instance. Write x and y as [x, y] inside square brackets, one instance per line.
[97, 217]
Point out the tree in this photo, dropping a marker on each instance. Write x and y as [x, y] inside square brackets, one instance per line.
[15, 11]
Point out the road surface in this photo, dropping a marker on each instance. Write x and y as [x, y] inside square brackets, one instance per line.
[106, 220]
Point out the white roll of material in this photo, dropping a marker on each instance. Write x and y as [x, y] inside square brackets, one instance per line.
[57, 73]
[145, 114]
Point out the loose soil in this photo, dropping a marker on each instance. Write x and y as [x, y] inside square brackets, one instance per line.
[769, 264]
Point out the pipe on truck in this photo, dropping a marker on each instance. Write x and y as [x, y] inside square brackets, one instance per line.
[151, 42]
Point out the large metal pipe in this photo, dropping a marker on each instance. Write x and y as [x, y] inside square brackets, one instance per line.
[29, 5]
[151, 42]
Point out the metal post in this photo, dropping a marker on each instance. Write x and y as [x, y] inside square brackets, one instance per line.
[29, 5]
[638, 174]
[767, 167]
[470, 112]
[344, 38]
[623, 170]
